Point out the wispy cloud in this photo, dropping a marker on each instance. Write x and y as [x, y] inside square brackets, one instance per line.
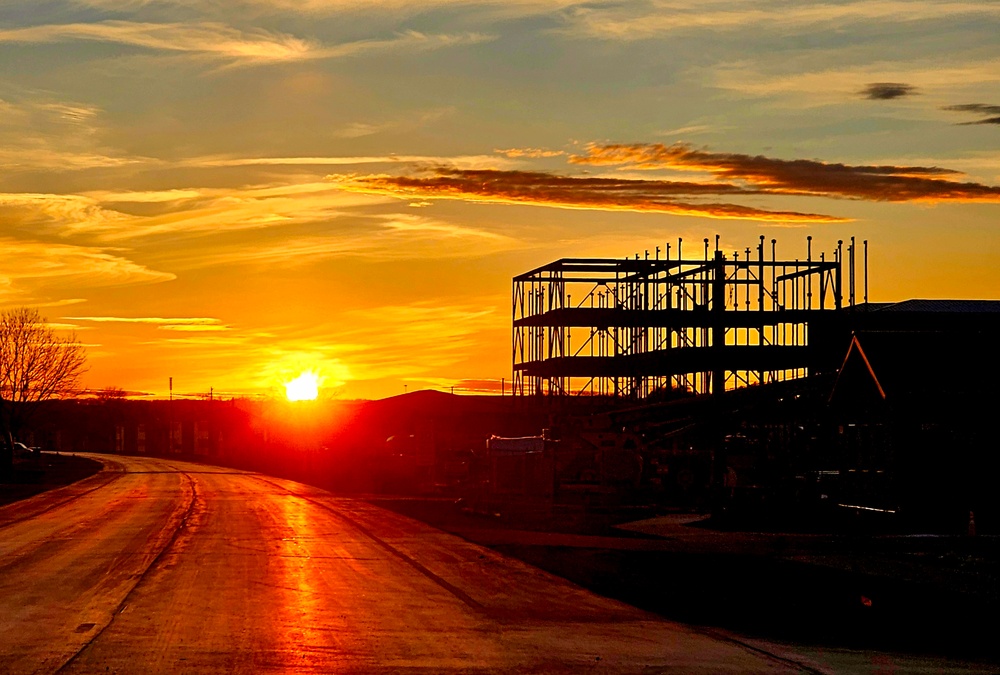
[398, 236]
[58, 325]
[79, 116]
[799, 176]
[62, 212]
[547, 189]
[495, 8]
[443, 333]
[989, 114]
[59, 303]
[208, 227]
[647, 20]
[529, 153]
[41, 265]
[461, 161]
[400, 125]
[886, 91]
[174, 323]
[147, 196]
[44, 134]
[209, 39]
[196, 328]
[688, 130]
[190, 211]
[222, 42]
[410, 224]
[55, 160]
[289, 252]
[362, 129]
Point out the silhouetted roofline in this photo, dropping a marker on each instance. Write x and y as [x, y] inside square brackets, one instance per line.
[925, 305]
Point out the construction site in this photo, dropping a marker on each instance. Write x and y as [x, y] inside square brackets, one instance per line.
[751, 383]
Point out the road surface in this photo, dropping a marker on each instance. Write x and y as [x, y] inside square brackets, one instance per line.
[164, 566]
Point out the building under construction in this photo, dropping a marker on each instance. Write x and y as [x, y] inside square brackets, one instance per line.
[629, 328]
[883, 407]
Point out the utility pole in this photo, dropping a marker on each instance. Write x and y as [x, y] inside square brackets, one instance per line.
[170, 419]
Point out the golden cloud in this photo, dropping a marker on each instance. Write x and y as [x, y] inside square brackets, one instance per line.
[392, 236]
[87, 265]
[183, 211]
[175, 323]
[43, 264]
[442, 333]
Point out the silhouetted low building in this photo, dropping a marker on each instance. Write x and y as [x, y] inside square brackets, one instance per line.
[918, 407]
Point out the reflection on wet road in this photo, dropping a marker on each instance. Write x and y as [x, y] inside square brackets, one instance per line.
[163, 566]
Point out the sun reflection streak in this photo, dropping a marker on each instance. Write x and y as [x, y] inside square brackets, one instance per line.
[303, 630]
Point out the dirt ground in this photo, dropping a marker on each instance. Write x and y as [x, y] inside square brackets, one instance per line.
[46, 471]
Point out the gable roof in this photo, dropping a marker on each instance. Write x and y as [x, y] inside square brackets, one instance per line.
[908, 364]
[856, 348]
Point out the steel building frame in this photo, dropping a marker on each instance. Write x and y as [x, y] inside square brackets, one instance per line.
[629, 328]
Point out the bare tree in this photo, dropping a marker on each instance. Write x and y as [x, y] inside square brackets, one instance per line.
[36, 364]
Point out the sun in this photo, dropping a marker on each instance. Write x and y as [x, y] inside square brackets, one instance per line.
[305, 387]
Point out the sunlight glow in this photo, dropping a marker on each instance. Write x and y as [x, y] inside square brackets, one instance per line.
[305, 387]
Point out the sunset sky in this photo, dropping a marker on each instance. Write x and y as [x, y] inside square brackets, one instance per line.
[233, 192]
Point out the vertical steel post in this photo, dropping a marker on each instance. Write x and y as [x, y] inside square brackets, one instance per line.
[838, 294]
[718, 312]
[866, 271]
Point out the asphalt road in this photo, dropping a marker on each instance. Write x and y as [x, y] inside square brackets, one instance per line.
[164, 566]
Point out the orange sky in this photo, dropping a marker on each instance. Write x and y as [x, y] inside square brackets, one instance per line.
[230, 194]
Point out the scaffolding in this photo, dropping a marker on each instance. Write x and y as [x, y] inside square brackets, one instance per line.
[629, 328]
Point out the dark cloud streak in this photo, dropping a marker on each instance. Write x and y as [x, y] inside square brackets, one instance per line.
[601, 194]
[992, 112]
[987, 120]
[886, 91]
[730, 176]
[984, 108]
[766, 175]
